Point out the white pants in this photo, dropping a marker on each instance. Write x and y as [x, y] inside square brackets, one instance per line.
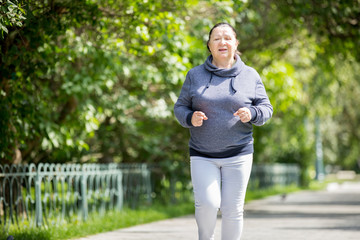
[220, 183]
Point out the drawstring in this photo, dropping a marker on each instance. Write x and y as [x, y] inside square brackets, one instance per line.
[232, 85]
[208, 84]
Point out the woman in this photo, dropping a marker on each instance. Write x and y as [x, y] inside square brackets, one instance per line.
[220, 101]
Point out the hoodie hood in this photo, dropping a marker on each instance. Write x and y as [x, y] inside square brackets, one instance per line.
[222, 72]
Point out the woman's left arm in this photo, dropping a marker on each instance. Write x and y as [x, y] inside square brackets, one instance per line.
[261, 108]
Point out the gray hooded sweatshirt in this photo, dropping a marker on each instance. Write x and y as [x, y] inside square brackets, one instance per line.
[219, 93]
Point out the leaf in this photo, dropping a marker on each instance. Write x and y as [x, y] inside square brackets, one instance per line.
[3, 28]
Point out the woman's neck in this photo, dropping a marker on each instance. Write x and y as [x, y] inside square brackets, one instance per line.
[227, 64]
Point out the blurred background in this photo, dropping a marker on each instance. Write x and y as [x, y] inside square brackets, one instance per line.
[95, 81]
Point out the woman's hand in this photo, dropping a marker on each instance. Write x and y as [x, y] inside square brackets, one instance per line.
[244, 114]
[197, 118]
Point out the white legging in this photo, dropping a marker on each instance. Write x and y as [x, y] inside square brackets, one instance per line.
[220, 183]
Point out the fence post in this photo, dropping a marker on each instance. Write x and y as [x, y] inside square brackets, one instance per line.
[120, 195]
[84, 204]
[147, 178]
[38, 207]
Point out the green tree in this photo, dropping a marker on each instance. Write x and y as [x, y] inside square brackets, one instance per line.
[95, 81]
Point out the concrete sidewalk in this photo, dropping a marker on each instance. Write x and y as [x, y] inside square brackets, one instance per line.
[332, 214]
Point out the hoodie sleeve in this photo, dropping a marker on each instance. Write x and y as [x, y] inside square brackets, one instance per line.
[183, 106]
[261, 105]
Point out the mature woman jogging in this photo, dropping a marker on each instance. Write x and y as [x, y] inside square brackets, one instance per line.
[220, 101]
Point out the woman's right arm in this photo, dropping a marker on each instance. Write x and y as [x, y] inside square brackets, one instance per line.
[183, 106]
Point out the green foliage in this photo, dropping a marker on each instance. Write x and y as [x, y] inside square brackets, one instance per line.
[95, 81]
[11, 15]
[334, 23]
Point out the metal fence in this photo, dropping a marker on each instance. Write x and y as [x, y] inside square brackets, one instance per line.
[268, 175]
[50, 194]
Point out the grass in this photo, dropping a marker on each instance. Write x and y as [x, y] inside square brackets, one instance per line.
[97, 224]
[254, 194]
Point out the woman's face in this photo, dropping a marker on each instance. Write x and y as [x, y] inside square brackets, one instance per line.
[223, 43]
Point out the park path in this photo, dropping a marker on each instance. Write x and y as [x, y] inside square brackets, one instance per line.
[331, 214]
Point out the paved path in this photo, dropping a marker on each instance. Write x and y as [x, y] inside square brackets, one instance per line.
[333, 214]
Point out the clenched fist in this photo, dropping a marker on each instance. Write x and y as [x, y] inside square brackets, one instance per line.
[197, 118]
[244, 114]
